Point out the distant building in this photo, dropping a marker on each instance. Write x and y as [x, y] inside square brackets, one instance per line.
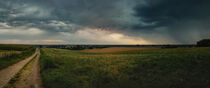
[203, 43]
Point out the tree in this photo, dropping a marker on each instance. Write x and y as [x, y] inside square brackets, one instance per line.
[203, 43]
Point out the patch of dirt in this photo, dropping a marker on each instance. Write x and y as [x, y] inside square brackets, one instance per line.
[119, 49]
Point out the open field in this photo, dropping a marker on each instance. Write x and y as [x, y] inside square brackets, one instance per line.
[10, 54]
[118, 49]
[159, 68]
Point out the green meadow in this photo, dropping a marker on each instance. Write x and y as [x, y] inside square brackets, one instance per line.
[160, 68]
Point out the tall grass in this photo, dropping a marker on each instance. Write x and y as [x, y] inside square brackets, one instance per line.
[164, 68]
[7, 54]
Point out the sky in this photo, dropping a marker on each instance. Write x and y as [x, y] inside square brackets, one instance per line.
[104, 21]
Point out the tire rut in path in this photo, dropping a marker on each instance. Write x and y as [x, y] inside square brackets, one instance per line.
[34, 80]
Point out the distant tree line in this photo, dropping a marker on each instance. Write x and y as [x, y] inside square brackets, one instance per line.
[203, 43]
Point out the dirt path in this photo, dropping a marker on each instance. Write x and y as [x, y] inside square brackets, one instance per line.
[9, 72]
[34, 80]
[19, 81]
[29, 76]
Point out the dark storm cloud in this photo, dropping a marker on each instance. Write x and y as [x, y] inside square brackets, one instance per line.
[181, 17]
[185, 21]
[112, 14]
[170, 11]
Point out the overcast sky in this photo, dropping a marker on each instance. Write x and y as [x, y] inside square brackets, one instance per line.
[104, 21]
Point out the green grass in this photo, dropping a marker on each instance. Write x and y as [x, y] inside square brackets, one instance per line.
[10, 54]
[163, 68]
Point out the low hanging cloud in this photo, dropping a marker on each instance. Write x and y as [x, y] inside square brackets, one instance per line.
[99, 36]
[119, 21]
[83, 36]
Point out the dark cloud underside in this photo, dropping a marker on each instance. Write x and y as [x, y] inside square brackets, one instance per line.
[181, 21]
[181, 17]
